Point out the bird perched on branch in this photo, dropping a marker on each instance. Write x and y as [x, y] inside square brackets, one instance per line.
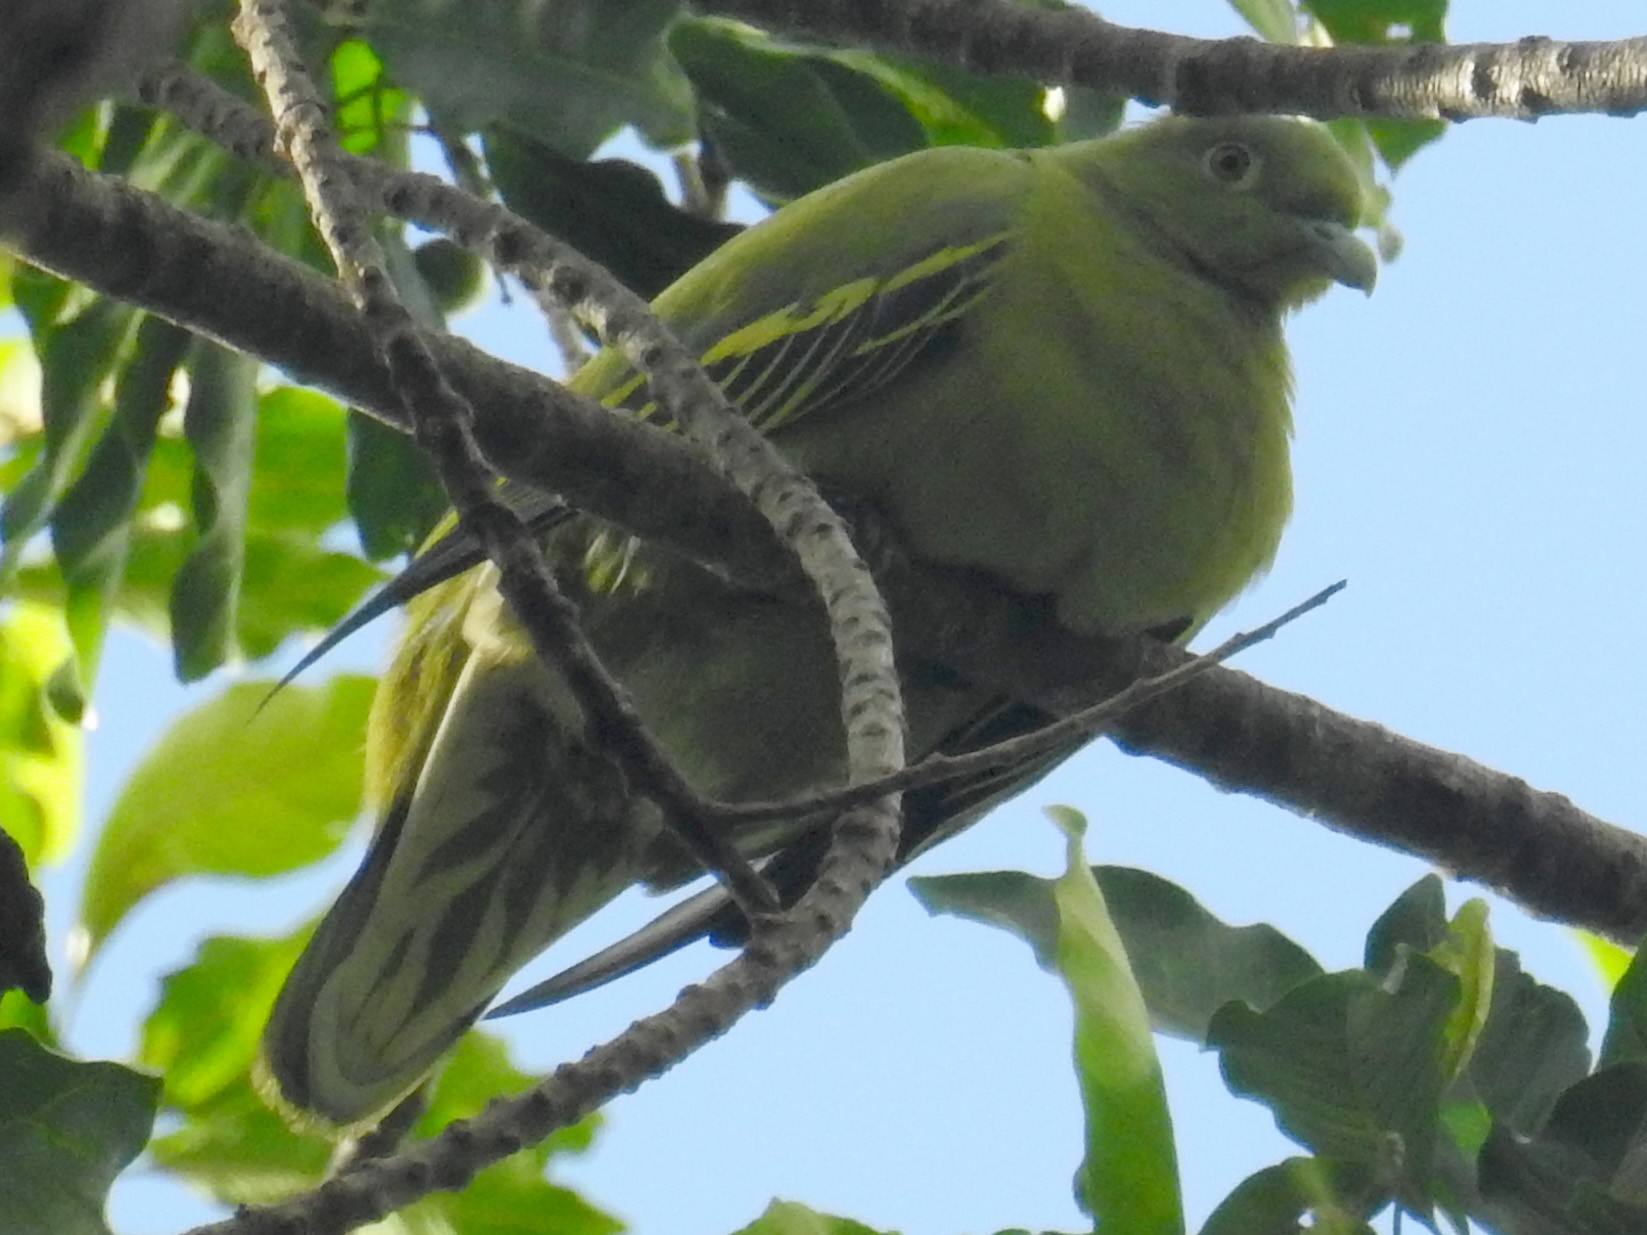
[1061, 368]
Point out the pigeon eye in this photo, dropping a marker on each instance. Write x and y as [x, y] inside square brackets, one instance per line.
[1232, 163]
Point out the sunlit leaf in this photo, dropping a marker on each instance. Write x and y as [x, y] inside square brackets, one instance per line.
[231, 790]
[1129, 1179]
[42, 765]
[793, 1218]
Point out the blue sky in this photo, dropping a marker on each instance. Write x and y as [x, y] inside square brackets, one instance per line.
[1469, 456]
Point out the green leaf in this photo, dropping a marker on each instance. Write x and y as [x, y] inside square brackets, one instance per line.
[298, 463]
[230, 1142]
[79, 341]
[1381, 22]
[792, 1218]
[1011, 900]
[610, 210]
[1089, 113]
[237, 1149]
[17, 1011]
[220, 423]
[372, 114]
[571, 73]
[66, 1130]
[1469, 955]
[202, 1035]
[19, 401]
[1531, 1050]
[1271, 1201]
[92, 526]
[1129, 1179]
[1627, 1020]
[42, 761]
[23, 965]
[1399, 140]
[232, 790]
[787, 121]
[1352, 1070]
[1581, 1174]
[393, 493]
[957, 108]
[1275, 20]
[291, 585]
[1416, 921]
[1187, 962]
[1611, 960]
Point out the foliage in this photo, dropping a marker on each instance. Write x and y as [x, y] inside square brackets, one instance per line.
[183, 489]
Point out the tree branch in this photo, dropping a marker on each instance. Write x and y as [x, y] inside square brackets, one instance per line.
[1523, 80]
[1241, 735]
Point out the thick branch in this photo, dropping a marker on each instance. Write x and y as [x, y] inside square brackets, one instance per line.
[1523, 80]
[1239, 734]
[219, 282]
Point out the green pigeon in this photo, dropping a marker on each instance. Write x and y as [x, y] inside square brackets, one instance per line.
[1061, 368]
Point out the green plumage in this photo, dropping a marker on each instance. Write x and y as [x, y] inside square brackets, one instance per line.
[1062, 367]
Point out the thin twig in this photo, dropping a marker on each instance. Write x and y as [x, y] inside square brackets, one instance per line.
[1086, 723]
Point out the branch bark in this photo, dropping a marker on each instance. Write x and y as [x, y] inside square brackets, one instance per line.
[1525, 80]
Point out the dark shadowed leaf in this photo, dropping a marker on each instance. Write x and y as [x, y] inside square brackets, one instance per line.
[92, 526]
[1532, 1048]
[1582, 1173]
[23, 964]
[1351, 1070]
[79, 340]
[612, 211]
[786, 120]
[1627, 1025]
[1274, 1200]
[393, 494]
[219, 421]
[67, 1128]
[572, 73]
